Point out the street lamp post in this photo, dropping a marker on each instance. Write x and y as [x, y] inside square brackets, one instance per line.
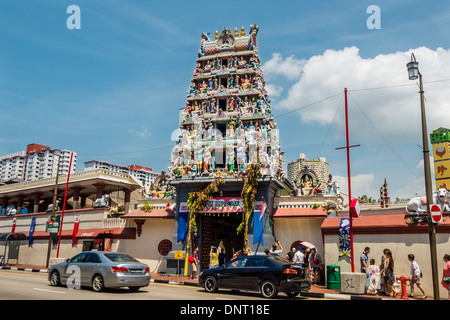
[413, 73]
[55, 196]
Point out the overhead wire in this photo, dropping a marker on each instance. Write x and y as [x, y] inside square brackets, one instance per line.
[278, 116]
[329, 127]
[381, 135]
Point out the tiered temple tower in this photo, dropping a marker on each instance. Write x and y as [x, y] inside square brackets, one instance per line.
[225, 127]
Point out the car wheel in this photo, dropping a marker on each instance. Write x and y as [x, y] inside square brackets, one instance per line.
[269, 289]
[55, 280]
[98, 284]
[211, 284]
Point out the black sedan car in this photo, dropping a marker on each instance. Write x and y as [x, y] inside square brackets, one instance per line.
[266, 274]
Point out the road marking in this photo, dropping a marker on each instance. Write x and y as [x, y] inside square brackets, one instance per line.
[53, 291]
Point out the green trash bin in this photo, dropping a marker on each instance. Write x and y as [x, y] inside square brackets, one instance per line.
[333, 277]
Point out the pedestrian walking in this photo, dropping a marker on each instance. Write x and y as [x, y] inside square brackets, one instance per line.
[446, 274]
[194, 263]
[364, 258]
[388, 274]
[373, 281]
[416, 274]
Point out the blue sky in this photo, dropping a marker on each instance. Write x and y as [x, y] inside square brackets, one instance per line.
[111, 91]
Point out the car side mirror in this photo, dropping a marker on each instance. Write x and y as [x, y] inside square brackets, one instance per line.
[67, 260]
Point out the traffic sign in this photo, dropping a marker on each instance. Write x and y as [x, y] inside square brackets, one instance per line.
[178, 254]
[53, 224]
[355, 209]
[436, 214]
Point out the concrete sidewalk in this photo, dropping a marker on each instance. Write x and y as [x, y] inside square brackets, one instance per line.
[317, 291]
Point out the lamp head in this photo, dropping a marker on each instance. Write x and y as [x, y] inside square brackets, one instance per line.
[413, 68]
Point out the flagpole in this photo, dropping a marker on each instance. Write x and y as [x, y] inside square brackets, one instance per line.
[64, 206]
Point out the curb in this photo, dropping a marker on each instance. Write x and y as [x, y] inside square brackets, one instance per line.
[24, 269]
[332, 296]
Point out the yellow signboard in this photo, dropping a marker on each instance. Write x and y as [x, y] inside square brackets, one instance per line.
[443, 183]
[178, 254]
[441, 151]
[442, 169]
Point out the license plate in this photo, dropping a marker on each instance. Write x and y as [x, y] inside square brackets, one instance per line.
[136, 271]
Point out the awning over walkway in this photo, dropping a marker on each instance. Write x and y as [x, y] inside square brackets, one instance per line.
[115, 233]
[12, 236]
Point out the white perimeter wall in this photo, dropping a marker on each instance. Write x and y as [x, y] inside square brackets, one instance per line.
[145, 247]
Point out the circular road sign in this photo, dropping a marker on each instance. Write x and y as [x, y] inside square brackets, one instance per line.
[436, 214]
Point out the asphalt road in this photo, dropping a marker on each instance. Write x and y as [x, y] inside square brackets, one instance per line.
[23, 285]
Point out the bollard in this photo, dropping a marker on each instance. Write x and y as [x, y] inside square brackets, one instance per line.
[403, 280]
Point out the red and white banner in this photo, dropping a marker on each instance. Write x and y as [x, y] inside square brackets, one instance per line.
[13, 229]
[224, 204]
[75, 231]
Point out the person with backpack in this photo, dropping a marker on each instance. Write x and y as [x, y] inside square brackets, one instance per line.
[193, 260]
[315, 266]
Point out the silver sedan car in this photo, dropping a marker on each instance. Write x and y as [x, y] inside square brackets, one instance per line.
[99, 270]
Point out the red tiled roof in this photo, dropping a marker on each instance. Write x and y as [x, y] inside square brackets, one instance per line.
[383, 224]
[116, 233]
[150, 214]
[299, 213]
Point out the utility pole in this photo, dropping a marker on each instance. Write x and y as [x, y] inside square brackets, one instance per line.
[352, 256]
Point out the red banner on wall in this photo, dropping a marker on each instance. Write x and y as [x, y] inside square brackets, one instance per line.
[13, 229]
[75, 231]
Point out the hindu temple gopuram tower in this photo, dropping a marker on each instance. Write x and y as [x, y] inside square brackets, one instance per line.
[226, 135]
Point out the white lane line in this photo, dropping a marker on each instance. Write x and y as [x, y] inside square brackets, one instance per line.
[53, 291]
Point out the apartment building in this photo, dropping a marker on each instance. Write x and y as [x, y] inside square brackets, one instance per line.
[36, 162]
[145, 176]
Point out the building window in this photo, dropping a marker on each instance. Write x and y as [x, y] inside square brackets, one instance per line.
[164, 247]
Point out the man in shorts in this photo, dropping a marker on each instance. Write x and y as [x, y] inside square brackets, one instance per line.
[194, 263]
[315, 266]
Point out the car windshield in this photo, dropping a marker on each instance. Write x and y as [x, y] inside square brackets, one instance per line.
[120, 257]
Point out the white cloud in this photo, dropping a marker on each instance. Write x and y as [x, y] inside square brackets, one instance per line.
[290, 67]
[361, 184]
[140, 133]
[274, 90]
[391, 107]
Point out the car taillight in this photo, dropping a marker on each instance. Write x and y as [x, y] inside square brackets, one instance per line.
[147, 270]
[119, 269]
[290, 271]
